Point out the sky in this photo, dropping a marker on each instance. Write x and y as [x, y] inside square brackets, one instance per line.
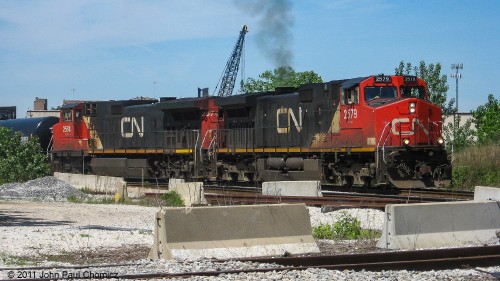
[122, 49]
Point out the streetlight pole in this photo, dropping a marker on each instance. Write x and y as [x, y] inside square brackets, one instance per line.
[456, 75]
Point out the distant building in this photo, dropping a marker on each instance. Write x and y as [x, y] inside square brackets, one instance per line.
[40, 109]
[7, 112]
[40, 104]
[464, 117]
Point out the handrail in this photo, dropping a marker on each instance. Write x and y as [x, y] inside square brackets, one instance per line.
[385, 141]
[383, 131]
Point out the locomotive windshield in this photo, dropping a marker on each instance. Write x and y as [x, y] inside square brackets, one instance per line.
[413, 92]
[67, 116]
[384, 92]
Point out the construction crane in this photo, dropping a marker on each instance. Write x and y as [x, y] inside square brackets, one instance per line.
[230, 73]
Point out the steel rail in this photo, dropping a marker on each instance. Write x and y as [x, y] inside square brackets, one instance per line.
[419, 260]
[344, 200]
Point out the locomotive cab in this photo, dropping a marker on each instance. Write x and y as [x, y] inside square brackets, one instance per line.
[71, 132]
[408, 132]
[70, 139]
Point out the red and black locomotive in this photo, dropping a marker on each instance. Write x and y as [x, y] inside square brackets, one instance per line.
[367, 131]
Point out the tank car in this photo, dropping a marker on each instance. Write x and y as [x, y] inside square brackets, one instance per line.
[366, 131]
[41, 127]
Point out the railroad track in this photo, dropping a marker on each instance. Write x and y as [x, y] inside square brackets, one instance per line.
[438, 193]
[336, 200]
[430, 194]
[422, 194]
[362, 198]
[420, 260]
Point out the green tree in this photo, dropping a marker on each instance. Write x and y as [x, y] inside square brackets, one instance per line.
[487, 120]
[283, 76]
[465, 135]
[21, 160]
[436, 82]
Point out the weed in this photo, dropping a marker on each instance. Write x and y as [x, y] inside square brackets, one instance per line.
[84, 235]
[74, 199]
[347, 227]
[324, 231]
[16, 261]
[477, 165]
[173, 199]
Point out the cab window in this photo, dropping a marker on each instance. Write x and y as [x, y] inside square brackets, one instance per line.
[67, 116]
[384, 92]
[413, 92]
[350, 96]
[78, 115]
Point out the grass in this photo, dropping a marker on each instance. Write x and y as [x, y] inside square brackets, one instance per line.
[173, 199]
[15, 260]
[477, 165]
[102, 200]
[347, 227]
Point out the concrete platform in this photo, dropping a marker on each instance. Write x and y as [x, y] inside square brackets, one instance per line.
[430, 225]
[224, 232]
[292, 188]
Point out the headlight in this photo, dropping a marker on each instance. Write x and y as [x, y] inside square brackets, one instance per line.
[440, 140]
[406, 141]
[412, 107]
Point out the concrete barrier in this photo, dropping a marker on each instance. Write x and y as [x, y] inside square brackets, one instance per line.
[191, 192]
[449, 224]
[172, 183]
[483, 193]
[95, 183]
[224, 232]
[292, 188]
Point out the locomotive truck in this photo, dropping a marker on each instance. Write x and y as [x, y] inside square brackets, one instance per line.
[368, 131]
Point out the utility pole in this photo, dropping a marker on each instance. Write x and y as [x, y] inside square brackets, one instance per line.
[456, 75]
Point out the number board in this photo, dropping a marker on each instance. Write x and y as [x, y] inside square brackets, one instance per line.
[382, 79]
[410, 79]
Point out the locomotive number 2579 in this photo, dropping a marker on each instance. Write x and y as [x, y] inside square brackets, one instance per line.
[350, 113]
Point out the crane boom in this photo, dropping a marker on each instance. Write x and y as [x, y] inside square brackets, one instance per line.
[231, 70]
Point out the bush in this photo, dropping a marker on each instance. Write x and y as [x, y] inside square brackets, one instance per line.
[21, 160]
[477, 165]
[173, 199]
[347, 227]
[324, 231]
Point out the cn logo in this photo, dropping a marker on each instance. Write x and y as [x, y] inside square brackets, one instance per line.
[414, 123]
[129, 126]
[290, 116]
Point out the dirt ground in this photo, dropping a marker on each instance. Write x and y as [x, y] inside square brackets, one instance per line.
[33, 233]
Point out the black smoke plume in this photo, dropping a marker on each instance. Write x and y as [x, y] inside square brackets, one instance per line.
[274, 35]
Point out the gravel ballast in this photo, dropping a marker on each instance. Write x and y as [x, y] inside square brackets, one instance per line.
[43, 189]
[42, 226]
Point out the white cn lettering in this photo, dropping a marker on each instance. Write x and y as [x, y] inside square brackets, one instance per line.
[290, 117]
[407, 120]
[399, 121]
[133, 125]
